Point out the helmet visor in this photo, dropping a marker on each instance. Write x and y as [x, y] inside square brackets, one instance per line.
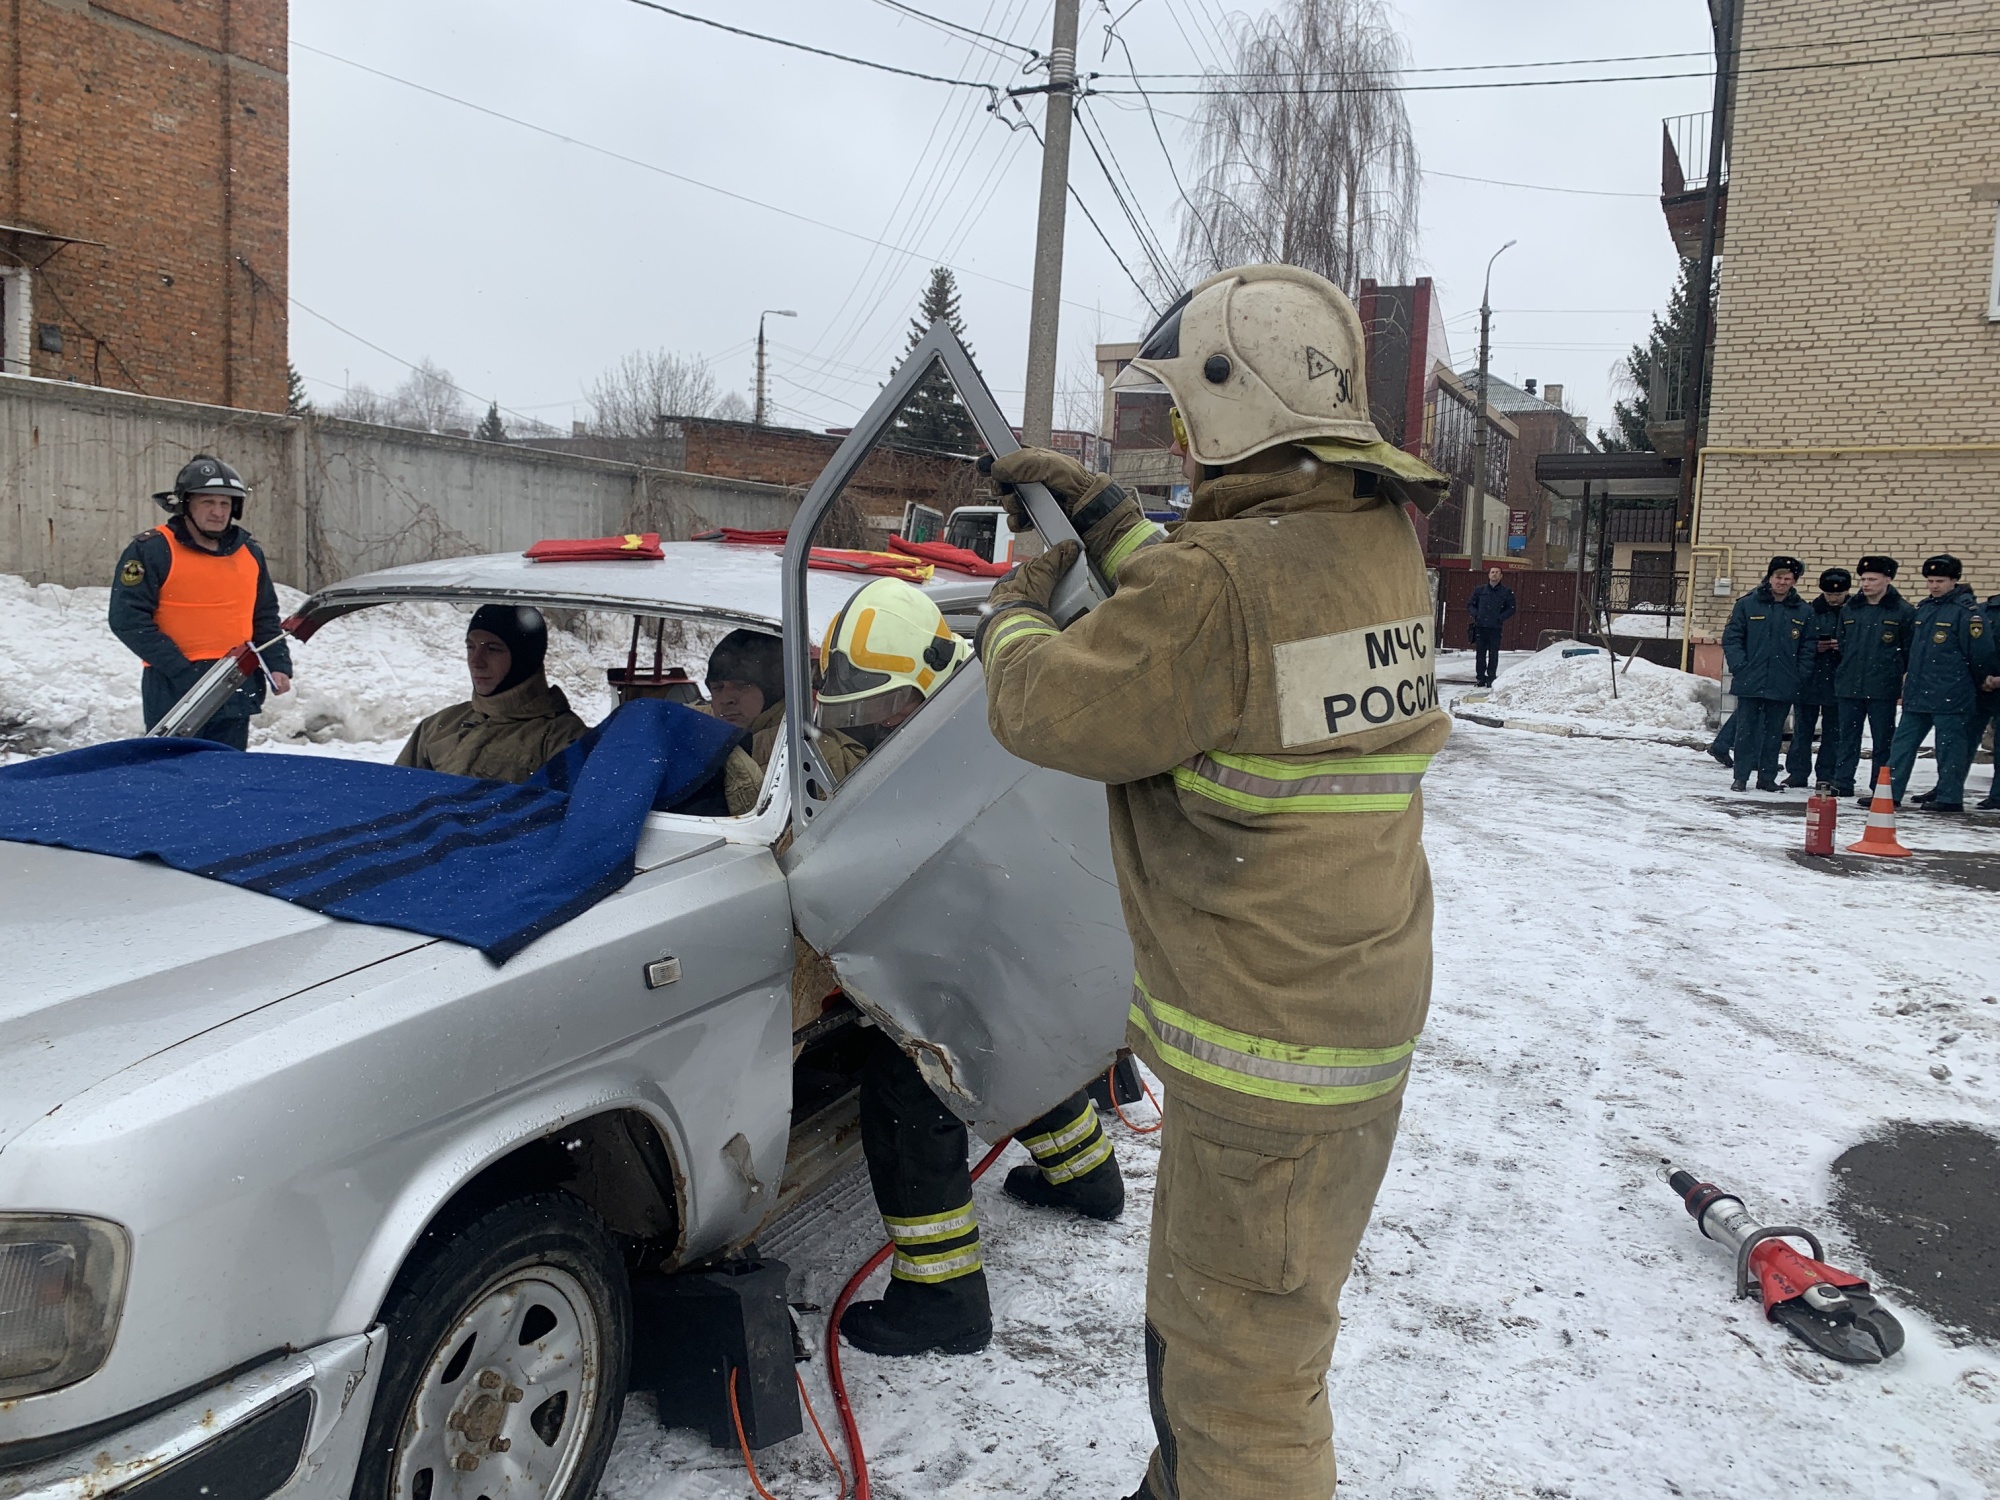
[851, 713]
[1164, 342]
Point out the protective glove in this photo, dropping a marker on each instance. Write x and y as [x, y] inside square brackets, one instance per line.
[1034, 582]
[1086, 497]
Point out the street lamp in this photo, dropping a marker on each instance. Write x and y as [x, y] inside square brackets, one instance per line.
[757, 416]
[1476, 523]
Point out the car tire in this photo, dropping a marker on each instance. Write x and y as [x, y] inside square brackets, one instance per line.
[509, 1345]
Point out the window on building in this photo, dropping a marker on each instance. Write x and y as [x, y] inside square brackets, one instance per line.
[1993, 289]
[17, 319]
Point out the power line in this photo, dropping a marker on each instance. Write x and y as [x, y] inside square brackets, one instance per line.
[430, 374]
[1077, 198]
[1149, 239]
[647, 166]
[778, 41]
[1585, 62]
[1111, 34]
[1535, 187]
[1547, 83]
[940, 21]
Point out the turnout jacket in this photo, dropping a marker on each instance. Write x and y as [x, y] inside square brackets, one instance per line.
[1874, 646]
[1768, 644]
[1951, 652]
[1259, 695]
[507, 737]
[179, 608]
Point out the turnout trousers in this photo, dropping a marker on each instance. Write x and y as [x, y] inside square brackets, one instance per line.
[1954, 753]
[1878, 716]
[1254, 1231]
[916, 1152]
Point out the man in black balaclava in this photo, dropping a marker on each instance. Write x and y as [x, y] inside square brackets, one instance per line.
[515, 721]
[746, 687]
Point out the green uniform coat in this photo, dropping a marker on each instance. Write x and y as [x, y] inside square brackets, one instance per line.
[507, 737]
[1874, 646]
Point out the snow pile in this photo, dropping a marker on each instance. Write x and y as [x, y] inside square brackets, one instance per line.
[1653, 626]
[360, 685]
[1550, 685]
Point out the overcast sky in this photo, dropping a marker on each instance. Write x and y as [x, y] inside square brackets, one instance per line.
[526, 264]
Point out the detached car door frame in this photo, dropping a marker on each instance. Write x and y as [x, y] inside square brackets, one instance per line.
[965, 898]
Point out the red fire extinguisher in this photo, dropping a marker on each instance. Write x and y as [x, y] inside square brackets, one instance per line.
[1822, 807]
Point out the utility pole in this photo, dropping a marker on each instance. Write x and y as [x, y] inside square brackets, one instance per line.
[1475, 545]
[757, 412]
[1038, 407]
[1695, 383]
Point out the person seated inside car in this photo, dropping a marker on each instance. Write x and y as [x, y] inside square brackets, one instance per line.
[746, 687]
[885, 655]
[515, 720]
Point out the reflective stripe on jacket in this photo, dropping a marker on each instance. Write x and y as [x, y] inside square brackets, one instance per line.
[1259, 695]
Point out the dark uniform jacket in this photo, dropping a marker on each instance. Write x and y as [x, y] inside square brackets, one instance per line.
[1991, 701]
[1823, 624]
[1768, 644]
[1491, 606]
[1874, 646]
[1951, 648]
[143, 568]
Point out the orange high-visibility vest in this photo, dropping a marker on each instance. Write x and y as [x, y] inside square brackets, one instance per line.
[208, 601]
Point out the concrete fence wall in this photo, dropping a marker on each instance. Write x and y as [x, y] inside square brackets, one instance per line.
[329, 498]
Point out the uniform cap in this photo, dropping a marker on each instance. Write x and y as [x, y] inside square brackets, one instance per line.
[1836, 578]
[1876, 562]
[1944, 565]
[1782, 563]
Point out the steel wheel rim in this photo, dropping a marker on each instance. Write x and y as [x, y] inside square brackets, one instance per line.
[517, 1401]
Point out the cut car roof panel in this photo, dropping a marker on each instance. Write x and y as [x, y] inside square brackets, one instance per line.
[719, 580]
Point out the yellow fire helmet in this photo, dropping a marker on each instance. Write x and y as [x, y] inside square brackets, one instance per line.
[887, 651]
[1259, 356]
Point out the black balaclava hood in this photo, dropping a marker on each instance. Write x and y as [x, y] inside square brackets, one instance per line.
[527, 636]
[750, 656]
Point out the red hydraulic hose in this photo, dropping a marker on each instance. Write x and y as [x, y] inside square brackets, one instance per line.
[833, 1378]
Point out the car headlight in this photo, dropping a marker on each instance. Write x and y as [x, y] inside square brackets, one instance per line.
[62, 1284]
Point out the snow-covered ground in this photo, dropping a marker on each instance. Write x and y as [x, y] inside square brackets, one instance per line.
[1632, 965]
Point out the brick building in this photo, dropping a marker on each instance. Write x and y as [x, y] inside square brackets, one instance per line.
[792, 456]
[1857, 344]
[143, 197]
[1542, 527]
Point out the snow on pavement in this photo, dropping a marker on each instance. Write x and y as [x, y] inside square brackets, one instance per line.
[1631, 966]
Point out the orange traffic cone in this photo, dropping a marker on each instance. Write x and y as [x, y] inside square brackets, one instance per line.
[1879, 837]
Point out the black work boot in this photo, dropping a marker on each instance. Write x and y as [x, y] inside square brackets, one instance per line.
[916, 1317]
[1989, 803]
[1097, 1194]
[1766, 784]
[1924, 799]
[1722, 758]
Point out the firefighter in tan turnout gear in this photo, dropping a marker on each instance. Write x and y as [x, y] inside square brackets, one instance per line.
[1258, 694]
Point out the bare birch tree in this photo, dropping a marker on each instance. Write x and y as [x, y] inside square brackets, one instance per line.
[1304, 153]
[629, 399]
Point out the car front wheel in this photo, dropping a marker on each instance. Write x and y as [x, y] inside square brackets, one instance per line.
[508, 1352]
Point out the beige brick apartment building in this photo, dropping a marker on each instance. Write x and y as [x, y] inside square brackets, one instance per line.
[1855, 404]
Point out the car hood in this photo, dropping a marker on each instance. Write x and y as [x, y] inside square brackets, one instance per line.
[109, 961]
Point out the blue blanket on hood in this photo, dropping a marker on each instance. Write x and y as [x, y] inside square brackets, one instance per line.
[483, 863]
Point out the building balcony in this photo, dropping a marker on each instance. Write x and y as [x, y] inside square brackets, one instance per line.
[1684, 181]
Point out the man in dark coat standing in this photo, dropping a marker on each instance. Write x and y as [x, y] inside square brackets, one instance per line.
[1986, 710]
[1951, 656]
[1769, 649]
[1818, 705]
[1491, 606]
[1875, 627]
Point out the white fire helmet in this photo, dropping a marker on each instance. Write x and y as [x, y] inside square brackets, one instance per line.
[1260, 356]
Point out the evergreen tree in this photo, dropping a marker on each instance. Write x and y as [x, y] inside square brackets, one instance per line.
[491, 429]
[297, 402]
[1665, 352]
[934, 417]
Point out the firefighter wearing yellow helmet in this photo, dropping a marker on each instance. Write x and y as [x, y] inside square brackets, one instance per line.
[884, 656]
[1258, 694]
